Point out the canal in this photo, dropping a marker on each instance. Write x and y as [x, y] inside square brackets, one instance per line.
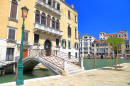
[88, 64]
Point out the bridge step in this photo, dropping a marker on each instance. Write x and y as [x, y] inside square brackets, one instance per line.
[73, 69]
[75, 72]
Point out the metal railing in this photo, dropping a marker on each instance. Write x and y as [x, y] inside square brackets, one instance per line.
[48, 56]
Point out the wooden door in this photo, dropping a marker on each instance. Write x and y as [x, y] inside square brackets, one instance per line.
[25, 53]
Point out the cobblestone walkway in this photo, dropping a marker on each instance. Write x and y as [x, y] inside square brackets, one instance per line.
[100, 77]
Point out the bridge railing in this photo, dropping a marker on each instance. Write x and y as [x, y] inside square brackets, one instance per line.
[56, 57]
[47, 56]
[71, 58]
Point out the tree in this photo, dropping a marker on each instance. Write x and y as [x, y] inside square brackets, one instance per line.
[115, 43]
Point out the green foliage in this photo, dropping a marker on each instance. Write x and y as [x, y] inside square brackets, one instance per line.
[115, 42]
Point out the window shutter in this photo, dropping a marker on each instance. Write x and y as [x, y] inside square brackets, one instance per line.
[76, 55]
[70, 54]
[45, 21]
[11, 34]
[48, 22]
[65, 43]
[70, 31]
[77, 45]
[13, 9]
[62, 43]
[68, 44]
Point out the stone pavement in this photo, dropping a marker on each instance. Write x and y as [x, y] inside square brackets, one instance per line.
[100, 77]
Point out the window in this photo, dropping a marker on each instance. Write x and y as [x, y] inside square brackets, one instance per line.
[69, 54]
[36, 38]
[58, 6]
[76, 33]
[9, 54]
[68, 14]
[53, 22]
[119, 36]
[43, 19]
[37, 16]
[69, 44]
[63, 43]
[49, 2]
[125, 35]
[57, 42]
[48, 20]
[92, 45]
[57, 24]
[11, 34]
[69, 31]
[76, 55]
[75, 19]
[13, 12]
[25, 37]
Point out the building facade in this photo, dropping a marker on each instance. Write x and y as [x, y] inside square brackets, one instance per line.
[85, 45]
[50, 25]
[102, 50]
[121, 34]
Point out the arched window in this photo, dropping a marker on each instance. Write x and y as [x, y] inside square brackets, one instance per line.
[43, 19]
[69, 31]
[13, 12]
[37, 16]
[48, 20]
[53, 22]
[49, 2]
[57, 25]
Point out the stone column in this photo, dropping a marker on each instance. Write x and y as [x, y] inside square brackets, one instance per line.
[55, 5]
[47, 1]
[50, 22]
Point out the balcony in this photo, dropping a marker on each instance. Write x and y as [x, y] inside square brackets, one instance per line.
[50, 30]
[43, 4]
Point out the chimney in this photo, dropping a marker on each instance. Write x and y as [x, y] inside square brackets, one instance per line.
[72, 5]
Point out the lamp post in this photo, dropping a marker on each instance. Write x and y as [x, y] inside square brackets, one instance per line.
[20, 66]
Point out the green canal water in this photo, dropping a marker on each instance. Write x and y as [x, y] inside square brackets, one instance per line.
[88, 64]
[27, 75]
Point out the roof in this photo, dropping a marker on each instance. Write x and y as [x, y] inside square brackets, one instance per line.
[97, 41]
[126, 39]
[111, 34]
[69, 6]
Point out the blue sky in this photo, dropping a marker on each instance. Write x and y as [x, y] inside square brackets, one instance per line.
[102, 16]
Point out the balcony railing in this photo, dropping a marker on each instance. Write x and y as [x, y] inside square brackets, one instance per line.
[47, 29]
[48, 6]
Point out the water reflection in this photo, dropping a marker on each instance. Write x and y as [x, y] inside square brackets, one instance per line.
[27, 75]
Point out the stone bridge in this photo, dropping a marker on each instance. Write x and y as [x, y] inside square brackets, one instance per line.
[57, 62]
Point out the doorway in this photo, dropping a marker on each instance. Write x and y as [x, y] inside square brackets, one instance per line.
[47, 47]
